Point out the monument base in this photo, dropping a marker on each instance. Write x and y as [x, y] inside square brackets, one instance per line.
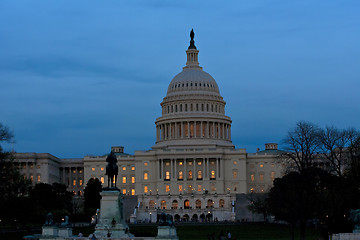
[166, 232]
[346, 236]
[65, 232]
[50, 230]
[111, 222]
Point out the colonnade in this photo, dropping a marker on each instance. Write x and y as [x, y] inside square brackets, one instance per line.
[193, 129]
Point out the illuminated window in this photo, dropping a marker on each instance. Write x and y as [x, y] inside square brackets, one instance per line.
[235, 173]
[74, 182]
[102, 169]
[198, 204]
[167, 175]
[199, 174]
[175, 204]
[93, 169]
[80, 182]
[212, 162]
[261, 165]
[145, 164]
[146, 176]
[252, 177]
[124, 168]
[38, 166]
[235, 162]
[145, 189]
[132, 168]
[123, 179]
[74, 171]
[31, 166]
[132, 191]
[32, 178]
[199, 163]
[272, 176]
[124, 191]
[132, 179]
[181, 177]
[102, 180]
[163, 204]
[199, 188]
[261, 176]
[221, 203]
[180, 188]
[213, 175]
[38, 178]
[180, 163]
[190, 188]
[190, 175]
[167, 188]
[210, 203]
[80, 171]
[186, 204]
[167, 163]
[213, 188]
[189, 163]
[252, 190]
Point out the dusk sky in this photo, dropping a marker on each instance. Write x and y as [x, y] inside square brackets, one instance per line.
[77, 77]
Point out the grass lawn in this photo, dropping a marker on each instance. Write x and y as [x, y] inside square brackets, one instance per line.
[249, 231]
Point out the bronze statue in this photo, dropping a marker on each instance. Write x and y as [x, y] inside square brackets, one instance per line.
[192, 34]
[49, 219]
[112, 169]
[192, 42]
[355, 218]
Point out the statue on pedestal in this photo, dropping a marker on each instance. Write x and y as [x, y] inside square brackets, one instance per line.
[355, 218]
[112, 169]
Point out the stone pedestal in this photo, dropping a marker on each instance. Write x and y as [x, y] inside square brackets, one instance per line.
[132, 218]
[111, 216]
[346, 236]
[50, 231]
[166, 232]
[65, 232]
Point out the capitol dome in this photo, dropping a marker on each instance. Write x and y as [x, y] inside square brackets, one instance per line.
[193, 111]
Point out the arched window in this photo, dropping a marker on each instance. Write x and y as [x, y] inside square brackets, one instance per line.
[210, 203]
[199, 175]
[186, 204]
[213, 175]
[167, 175]
[146, 176]
[190, 175]
[181, 177]
[221, 203]
[198, 204]
[174, 204]
[163, 204]
[235, 173]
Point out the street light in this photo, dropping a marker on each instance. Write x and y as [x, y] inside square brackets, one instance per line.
[150, 217]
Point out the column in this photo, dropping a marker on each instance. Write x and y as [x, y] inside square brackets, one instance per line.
[171, 168]
[207, 130]
[214, 130]
[188, 123]
[229, 132]
[201, 129]
[207, 169]
[175, 175]
[203, 170]
[160, 168]
[185, 171]
[157, 133]
[217, 167]
[176, 135]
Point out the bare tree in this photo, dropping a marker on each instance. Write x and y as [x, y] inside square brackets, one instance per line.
[301, 146]
[338, 146]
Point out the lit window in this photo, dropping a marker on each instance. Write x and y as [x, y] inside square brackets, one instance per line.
[38, 178]
[132, 168]
[80, 182]
[132, 179]
[272, 176]
[213, 175]
[199, 163]
[167, 163]
[31, 166]
[124, 168]
[199, 188]
[113, 180]
[190, 163]
[145, 189]
[190, 188]
[234, 174]
[261, 165]
[235, 162]
[124, 191]
[123, 179]
[167, 188]
[31, 177]
[132, 191]
[146, 176]
[93, 169]
[252, 177]
[213, 188]
[199, 175]
[212, 162]
[38, 166]
[181, 177]
[252, 190]
[145, 164]
[180, 163]
[80, 193]
[167, 175]
[102, 180]
[261, 176]
[80, 171]
[102, 169]
[74, 182]
[74, 171]
[190, 176]
[180, 188]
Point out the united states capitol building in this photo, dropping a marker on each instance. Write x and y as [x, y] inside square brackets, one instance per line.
[193, 171]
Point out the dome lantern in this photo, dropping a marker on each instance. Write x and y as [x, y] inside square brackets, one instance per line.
[192, 53]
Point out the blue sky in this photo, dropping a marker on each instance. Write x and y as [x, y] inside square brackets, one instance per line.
[77, 77]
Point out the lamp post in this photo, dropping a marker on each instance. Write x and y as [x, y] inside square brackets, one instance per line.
[150, 217]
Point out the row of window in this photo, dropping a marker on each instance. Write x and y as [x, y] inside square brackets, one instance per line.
[123, 179]
[261, 176]
[195, 84]
[186, 204]
[193, 107]
[123, 168]
[190, 188]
